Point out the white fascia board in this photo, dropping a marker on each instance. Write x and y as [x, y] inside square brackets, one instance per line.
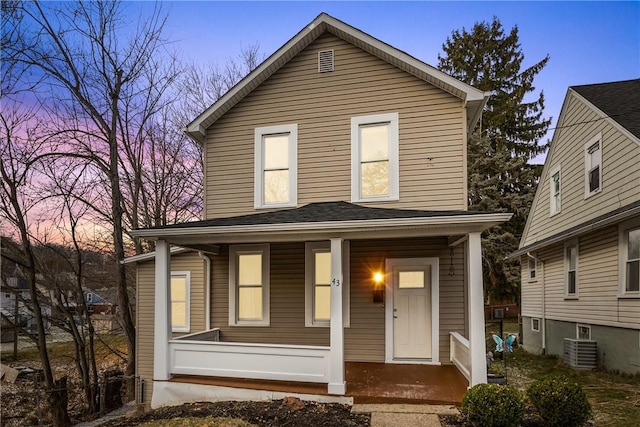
[151, 255]
[482, 221]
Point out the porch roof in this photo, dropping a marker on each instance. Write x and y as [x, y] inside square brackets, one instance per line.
[325, 220]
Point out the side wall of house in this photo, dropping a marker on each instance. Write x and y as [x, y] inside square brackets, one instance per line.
[620, 172]
[146, 310]
[365, 338]
[431, 136]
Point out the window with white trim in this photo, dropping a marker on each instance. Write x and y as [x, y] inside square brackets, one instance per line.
[318, 284]
[374, 158]
[629, 255]
[533, 266]
[555, 191]
[249, 285]
[593, 166]
[583, 332]
[276, 166]
[571, 268]
[180, 284]
[535, 324]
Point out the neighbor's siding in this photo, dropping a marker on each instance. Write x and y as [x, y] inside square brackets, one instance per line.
[620, 173]
[598, 301]
[146, 309]
[531, 290]
[365, 339]
[432, 134]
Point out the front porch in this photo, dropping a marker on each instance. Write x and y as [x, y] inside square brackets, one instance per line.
[366, 383]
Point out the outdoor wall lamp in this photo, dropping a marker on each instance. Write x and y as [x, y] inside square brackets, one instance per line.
[378, 287]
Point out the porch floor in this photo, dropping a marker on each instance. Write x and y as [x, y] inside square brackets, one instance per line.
[368, 383]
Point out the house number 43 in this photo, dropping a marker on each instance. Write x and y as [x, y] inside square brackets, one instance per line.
[335, 282]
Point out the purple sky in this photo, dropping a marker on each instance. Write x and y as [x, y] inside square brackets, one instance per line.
[589, 42]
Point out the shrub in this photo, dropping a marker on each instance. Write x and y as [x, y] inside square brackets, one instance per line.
[493, 405]
[560, 402]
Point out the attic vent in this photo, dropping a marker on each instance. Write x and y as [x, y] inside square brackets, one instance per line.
[325, 61]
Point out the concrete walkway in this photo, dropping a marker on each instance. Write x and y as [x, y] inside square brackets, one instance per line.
[405, 415]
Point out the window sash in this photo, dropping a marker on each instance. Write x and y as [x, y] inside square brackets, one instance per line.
[532, 268]
[275, 169]
[249, 285]
[179, 292]
[572, 264]
[374, 165]
[632, 264]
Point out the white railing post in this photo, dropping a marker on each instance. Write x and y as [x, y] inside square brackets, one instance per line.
[477, 345]
[337, 384]
[162, 324]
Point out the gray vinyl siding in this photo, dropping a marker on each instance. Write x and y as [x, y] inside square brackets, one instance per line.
[620, 173]
[365, 338]
[431, 122]
[146, 310]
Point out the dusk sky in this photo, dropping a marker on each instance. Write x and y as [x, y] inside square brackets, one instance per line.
[588, 42]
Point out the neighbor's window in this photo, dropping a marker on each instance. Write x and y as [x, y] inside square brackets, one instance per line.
[276, 173]
[631, 253]
[318, 283]
[535, 324]
[583, 332]
[249, 285]
[180, 283]
[374, 157]
[593, 166]
[571, 269]
[532, 269]
[555, 191]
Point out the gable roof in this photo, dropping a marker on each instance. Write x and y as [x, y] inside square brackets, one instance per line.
[474, 99]
[620, 101]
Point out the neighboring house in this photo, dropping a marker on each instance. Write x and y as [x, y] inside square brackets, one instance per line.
[580, 250]
[336, 228]
[96, 304]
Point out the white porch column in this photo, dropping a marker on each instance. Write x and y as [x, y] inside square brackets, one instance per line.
[162, 323]
[477, 345]
[337, 384]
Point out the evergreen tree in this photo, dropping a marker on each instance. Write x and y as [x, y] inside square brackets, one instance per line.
[508, 136]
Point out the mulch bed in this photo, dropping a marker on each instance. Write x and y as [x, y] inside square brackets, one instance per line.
[289, 412]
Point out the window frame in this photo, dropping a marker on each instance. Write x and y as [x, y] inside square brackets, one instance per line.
[394, 168]
[623, 244]
[555, 208]
[187, 310]
[533, 278]
[259, 134]
[588, 166]
[533, 322]
[587, 327]
[567, 263]
[310, 249]
[234, 252]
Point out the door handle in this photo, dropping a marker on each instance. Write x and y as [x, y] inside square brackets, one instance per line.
[395, 313]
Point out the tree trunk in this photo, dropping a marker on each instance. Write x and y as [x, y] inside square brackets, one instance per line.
[58, 401]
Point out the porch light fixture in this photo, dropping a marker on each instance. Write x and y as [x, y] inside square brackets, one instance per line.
[378, 287]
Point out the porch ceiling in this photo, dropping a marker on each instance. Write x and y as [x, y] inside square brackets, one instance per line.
[321, 221]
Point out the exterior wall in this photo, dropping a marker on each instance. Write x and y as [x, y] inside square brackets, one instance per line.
[146, 310]
[432, 132]
[365, 338]
[620, 172]
[611, 355]
[531, 340]
[531, 289]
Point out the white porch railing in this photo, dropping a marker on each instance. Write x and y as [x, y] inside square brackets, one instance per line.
[459, 353]
[244, 360]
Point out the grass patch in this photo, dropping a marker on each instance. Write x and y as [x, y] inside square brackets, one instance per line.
[198, 422]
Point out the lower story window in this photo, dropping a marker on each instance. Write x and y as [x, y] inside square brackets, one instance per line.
[249, 285]
[180, 282]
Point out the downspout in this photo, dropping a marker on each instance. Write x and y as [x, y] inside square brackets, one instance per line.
[543, 320]
[207, 290]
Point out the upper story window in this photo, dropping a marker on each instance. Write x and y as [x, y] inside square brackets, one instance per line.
[374, 158]
[533, 266]
[555, 190]
[180, 283]
[629, 255]
[593, 166]
[571, 268]
[276, 166]
[249, 285]
[318, 283]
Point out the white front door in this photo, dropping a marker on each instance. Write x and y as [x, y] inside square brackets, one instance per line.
[410, 282]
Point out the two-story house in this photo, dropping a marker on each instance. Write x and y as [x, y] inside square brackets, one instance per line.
[337, 236]
[580, 250]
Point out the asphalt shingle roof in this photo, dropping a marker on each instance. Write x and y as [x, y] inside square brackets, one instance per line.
[618, 100]
[319, 212]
